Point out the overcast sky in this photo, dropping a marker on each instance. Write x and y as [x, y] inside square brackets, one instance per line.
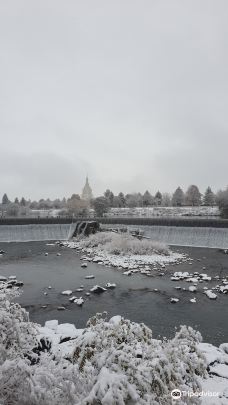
[132, 92]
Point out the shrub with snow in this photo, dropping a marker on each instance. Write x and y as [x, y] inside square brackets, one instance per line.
[113, 362]
[124, 244]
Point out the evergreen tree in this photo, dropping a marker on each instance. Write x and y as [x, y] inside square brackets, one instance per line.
[5, 199]
[147, 199]
[16, 201]
[222, 201]
[209, 197]
[178, 198]
[158, 198]
[122, 199]
[193, 196]
[23, 202]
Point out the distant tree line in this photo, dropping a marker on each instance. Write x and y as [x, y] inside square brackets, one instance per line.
[192, 197]
[75, 206]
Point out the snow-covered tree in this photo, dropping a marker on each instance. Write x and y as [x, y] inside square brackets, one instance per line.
[166, 200]
[178, 197]
[209, 197]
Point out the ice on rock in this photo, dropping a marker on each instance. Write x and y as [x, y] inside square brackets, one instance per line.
[193, 300]
[90, 277]
[84, 265]
[192, 288]
[61, 308]
[2, 278]
[12, 277]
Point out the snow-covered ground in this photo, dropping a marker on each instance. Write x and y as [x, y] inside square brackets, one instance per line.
[111, 362]
[149, 212]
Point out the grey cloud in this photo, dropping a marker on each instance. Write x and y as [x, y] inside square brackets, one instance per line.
[133, 93]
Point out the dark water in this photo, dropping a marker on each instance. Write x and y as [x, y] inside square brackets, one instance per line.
[133, 298]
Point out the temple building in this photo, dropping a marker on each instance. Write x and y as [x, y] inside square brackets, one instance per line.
[87, 194]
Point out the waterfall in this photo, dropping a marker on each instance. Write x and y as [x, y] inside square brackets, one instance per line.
[209, 237]
[36, 232]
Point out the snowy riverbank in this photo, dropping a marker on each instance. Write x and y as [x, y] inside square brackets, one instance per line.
[111, 361]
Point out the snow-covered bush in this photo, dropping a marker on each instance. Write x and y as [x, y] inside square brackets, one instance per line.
[17, 335]
[131, 366]
[116, 243]
[114, 362]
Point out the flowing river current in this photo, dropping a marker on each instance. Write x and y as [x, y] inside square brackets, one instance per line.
[134, 297]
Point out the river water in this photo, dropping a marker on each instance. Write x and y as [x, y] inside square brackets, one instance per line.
[134, 297]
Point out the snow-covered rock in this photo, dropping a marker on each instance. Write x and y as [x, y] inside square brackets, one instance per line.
[210, 294]
[192, 288]
[221, 370]
[110, 285]
[72, 299]
[174, 300]
[66, 292]
[79, 301]
[53, 324]
[97, 289]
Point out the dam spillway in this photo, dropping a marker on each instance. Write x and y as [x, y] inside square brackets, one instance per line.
[210, 233]
[208, 237]
[36, 232]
